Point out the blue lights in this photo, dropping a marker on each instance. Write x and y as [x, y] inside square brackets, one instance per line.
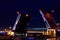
[30, 38]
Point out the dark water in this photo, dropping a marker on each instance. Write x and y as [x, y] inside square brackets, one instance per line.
[32, 39]
[58, 38]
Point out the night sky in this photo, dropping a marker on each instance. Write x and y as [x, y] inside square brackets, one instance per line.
[9, 8]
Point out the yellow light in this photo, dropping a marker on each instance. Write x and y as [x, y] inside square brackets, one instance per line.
[51, 39]
[43, 32]
[27, 15]
[18, 12]
[10, 33]
[10, 27]
[48, 15]
[26, 34]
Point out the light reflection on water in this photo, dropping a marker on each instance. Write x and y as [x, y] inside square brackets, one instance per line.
[46, 39]
[51, 39]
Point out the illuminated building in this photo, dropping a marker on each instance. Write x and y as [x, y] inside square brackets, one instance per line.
[36, 31]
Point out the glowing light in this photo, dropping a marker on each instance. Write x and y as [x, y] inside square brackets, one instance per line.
[51, 39]
[5, 29]
[52, 11]
[10, 27]
[26, 34]
[18, 17]
[10, 33]
[43, 16]
[48, 15]
[27, 15]
[18, 12]
[43, 32]
[58, 29]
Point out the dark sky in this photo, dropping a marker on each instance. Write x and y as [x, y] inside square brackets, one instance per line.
[8, 11]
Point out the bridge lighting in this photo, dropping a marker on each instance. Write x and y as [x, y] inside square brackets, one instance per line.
[5, 29]
[26, 34]
[52, 11]
[51, 32]
[47, 15]
[27, 15]
[10, 27]
[17, 12]
[10, 33]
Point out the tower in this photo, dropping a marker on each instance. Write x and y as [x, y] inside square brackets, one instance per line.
[51, 21]
[21, 26]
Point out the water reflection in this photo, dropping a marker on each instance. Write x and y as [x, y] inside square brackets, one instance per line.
[44, 39]
[51, 39]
